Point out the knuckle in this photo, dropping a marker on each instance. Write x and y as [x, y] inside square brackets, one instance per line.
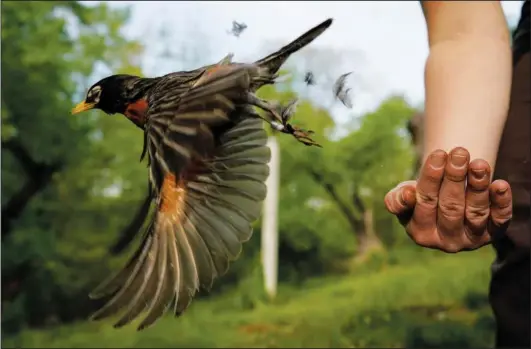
[456, 175]
[452, 208]
[433, 177]
[428, 199]
[474, 235]
[505, 206]
[477, 214]
[502, 219]
[477, 187]
[503, 212]
[424, 240]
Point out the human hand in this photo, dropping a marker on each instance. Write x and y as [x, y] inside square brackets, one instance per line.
[452, 206]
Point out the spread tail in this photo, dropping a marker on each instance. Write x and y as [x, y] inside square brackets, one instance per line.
[199, 226]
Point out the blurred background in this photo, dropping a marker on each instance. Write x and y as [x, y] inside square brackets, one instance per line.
[348, 275]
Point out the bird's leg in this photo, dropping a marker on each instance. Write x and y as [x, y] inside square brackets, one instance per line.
[271, 109]
[279, 116]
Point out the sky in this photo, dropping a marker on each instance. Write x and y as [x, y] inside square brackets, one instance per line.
[384, 43]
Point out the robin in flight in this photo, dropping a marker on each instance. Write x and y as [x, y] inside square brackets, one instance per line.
[208, 161]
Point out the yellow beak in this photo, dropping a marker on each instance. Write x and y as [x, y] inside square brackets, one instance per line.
[81, 107]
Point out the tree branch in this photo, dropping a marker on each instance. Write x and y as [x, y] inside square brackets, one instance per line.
[355, 224]
[357, 202]
[39, 176]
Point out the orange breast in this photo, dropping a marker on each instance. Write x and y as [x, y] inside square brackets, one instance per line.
[136, 111]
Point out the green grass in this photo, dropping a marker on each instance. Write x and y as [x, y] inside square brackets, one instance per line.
[435, 302]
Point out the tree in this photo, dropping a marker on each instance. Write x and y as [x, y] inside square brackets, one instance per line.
[375, 158]
[346, 179]
[55, 166]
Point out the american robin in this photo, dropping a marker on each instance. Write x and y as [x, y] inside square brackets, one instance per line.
[208, 161]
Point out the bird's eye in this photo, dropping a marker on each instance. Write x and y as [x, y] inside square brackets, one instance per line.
[94, 94]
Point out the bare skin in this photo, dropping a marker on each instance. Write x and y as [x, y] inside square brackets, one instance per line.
[452, 206]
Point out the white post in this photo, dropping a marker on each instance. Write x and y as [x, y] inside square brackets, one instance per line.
[269, 222]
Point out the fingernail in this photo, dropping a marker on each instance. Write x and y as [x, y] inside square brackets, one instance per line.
[501, 190]
[479, 174]
[458, 160]
[438, 159]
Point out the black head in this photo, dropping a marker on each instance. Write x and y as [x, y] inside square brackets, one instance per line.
[110, 94]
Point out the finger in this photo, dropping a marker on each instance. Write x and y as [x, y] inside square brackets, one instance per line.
[451, 208]
[477, 202]
[401, 198]
[427, 193]
[409, 198]
[501, 208]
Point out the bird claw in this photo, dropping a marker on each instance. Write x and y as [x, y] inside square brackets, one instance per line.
[301, 135]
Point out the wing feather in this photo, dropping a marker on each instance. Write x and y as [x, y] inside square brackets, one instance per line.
[178, 127]
[203, 217]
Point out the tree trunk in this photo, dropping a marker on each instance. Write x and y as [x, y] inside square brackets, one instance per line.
[361, 224]
[39, 176]
[368, 241]
[353, 221]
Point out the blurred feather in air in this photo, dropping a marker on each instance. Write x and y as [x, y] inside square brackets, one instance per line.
[237, 28]
[342, 93]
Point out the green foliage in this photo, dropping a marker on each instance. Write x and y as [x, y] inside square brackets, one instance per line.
[89, 180]
[314, 232]
[377, 155]
[49, 49]
[414, 305]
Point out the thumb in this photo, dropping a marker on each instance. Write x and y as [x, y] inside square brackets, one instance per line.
[402, 198]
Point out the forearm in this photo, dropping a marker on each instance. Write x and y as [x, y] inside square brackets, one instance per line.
[467, 95]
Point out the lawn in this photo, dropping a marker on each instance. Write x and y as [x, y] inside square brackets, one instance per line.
[430, 303]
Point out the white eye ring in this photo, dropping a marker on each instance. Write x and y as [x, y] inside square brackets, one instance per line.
[96, 92]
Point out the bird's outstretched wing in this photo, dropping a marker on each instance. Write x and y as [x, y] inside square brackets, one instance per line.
[179, 126]
[208, 167]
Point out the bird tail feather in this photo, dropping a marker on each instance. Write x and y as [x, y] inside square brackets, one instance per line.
[274, 61]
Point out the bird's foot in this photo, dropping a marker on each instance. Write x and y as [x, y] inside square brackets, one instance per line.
[301, 135]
